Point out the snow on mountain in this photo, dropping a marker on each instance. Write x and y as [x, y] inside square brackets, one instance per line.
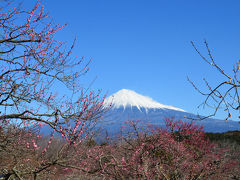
[128, 98]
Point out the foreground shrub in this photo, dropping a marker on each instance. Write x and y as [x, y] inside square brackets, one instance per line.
[181, 151]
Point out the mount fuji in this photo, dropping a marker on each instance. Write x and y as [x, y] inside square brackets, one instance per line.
[128, 98]
[129, 105]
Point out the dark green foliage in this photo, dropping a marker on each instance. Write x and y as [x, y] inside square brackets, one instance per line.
[230, 136]
[229, 140]
[91, 142]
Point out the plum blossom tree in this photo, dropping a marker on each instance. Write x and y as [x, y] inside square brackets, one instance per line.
[180, 151]
[225, 94]
[32, 63]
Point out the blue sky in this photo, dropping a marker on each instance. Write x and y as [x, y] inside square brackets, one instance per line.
[144, 45]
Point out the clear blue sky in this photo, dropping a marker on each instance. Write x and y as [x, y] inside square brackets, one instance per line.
[144, 45]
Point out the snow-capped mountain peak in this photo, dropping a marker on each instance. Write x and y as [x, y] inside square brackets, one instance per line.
[125, 97]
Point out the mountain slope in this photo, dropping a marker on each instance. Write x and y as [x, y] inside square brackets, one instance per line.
[128, 105]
